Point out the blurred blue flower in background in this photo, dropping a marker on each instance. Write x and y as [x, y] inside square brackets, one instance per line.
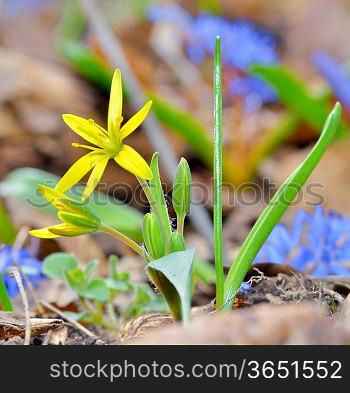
[336, 76]
[243, 44]
[30, 266]
[316, 243]
[254, 91]
[14, 7]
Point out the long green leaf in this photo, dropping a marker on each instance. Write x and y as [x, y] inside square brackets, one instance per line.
[294, 93]
[172, 275]
[22, 184]
[186, 126]
[217, 174]
[277, 206]
[86, 62]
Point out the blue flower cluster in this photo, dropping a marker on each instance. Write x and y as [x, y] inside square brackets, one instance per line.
[30, 266]
[243, 44]
[335, 74]
[316, 243]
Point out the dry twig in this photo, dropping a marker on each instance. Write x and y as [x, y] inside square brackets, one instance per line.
[74, 323]
[17, 276]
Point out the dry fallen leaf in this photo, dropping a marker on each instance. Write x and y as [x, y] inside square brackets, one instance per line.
[12, 324]
[58, 336]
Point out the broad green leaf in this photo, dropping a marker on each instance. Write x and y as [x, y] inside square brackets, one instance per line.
[277, 206]
[22, 184]
[116, 285]
[96, 290]
[294, 93]
[55, 265]
[172, 275]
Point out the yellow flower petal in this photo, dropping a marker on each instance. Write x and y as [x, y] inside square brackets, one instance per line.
[130, 159]
[87, 129]
[78, 170]
[43, 233]
[70, 230]
[51, 194]
[115, 103]
[131, 125]
[95, 177]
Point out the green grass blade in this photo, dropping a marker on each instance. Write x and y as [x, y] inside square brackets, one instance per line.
[8, 231]
[217, 174]
[294, 93]
[5, 301]
[276, 208]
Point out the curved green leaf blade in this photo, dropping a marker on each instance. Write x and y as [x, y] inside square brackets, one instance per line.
[172, 275]
[294, 93]
[277, 206]
[86, 62]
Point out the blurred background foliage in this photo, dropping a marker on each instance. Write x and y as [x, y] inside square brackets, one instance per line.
[285, 64]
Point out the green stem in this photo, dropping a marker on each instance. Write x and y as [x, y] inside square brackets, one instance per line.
[217, 170]
[125, 239]
[5, 300]
[180, 223]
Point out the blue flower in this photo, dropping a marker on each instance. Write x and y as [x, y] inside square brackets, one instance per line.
[336, 76]
[254, 91]
[317, 243]
[30, 266]
[243, 44]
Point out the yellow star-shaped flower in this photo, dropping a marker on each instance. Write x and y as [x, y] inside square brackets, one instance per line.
[76, 218]
[109, 144]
